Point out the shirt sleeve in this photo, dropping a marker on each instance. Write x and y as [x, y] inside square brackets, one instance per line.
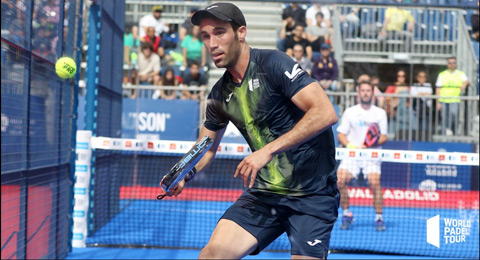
[334, 70]
[156, 66]
[388, 13]
[439, 82]
[215, 117]
[383, 124]
[464, 77]
[344, 125]
[285, 73]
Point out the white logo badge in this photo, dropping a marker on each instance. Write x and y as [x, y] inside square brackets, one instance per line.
[229, 97]
[295, 72]
[253, 84]
[317, 241]
[454, 230]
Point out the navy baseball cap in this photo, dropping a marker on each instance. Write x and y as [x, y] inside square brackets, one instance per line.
[224, 11]
[325, 46]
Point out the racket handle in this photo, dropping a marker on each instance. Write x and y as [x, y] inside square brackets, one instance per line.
[190, 175]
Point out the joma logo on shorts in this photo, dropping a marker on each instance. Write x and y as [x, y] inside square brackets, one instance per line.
[317, 241]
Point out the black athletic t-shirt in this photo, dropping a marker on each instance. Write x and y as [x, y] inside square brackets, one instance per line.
[261, 108]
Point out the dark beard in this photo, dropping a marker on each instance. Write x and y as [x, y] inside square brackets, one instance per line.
[232, 58]
[366, 102]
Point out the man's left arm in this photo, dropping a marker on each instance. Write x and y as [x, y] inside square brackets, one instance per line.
[465, 83]
[319, 116]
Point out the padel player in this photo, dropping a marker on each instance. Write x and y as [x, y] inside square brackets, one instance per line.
[286, 118]
[362, 126]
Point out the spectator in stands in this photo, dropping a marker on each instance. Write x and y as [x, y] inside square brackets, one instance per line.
[193, 48]
[393, 27]
[312, 12]
[422, 106]
[325, 69]
[399, 108]
[300, 58]
[475, 25]
[156, 41]
[148, 65]
[450, 84]
[187, 25]
[298, 38]
[353, 131]
[169, 79]
[297, 12]
[131, 47]
[194, 79]
[154, 20]
[288, 25]
[317, 34]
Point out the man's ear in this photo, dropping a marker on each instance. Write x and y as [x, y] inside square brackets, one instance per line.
[242, 33]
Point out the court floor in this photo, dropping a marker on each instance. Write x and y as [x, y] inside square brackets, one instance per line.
[140, 253]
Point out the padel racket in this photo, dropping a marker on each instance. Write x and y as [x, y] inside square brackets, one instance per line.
[373, 133]
[180, 170]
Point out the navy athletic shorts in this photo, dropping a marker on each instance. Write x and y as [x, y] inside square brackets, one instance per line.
[308, 220]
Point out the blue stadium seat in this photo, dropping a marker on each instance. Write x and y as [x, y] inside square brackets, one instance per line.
[468, 17]
[475, 48]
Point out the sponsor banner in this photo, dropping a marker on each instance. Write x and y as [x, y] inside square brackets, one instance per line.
[160, 146]
[82, 183]
[359, 196]
[444, 166]
[416, 198]
[149, 119]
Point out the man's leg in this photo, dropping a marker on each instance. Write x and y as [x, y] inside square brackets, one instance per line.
[228, 241]
[344, 176]
[374, 181]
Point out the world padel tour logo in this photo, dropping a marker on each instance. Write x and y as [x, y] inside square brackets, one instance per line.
[454, 231]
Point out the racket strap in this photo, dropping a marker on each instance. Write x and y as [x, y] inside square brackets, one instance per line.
[190, 174]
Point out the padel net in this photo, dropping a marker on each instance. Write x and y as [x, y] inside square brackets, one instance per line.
[430, 205]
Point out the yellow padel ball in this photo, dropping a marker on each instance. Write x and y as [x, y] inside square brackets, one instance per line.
[65, 67]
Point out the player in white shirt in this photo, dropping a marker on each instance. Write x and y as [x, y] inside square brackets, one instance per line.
[352, 132]
[153, 20]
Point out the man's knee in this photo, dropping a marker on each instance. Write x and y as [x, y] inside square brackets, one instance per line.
[374, 181]
[210, 252]
[343, 177]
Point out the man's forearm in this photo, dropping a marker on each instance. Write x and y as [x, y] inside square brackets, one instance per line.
[313, 123]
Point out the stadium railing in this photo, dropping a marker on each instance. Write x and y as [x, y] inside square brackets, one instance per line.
[419, 121]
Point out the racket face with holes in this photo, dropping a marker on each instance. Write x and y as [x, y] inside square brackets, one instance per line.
[186, 164]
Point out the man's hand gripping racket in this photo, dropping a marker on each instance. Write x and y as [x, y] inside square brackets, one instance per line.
[184, 169]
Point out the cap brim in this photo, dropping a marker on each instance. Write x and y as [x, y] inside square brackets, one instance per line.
[202, 14]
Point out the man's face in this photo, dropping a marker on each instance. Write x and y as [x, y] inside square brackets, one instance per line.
[194, 70]
[452, 64]
[135, 30]
[422, 77]
[298, 31]
[298, 52]
[325, 52]
[151, 32]
[157, 15]
[221, 42]
[366, 93]
[147, 52]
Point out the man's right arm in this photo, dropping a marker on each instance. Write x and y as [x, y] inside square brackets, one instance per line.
[210, 154]
[206, 159]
